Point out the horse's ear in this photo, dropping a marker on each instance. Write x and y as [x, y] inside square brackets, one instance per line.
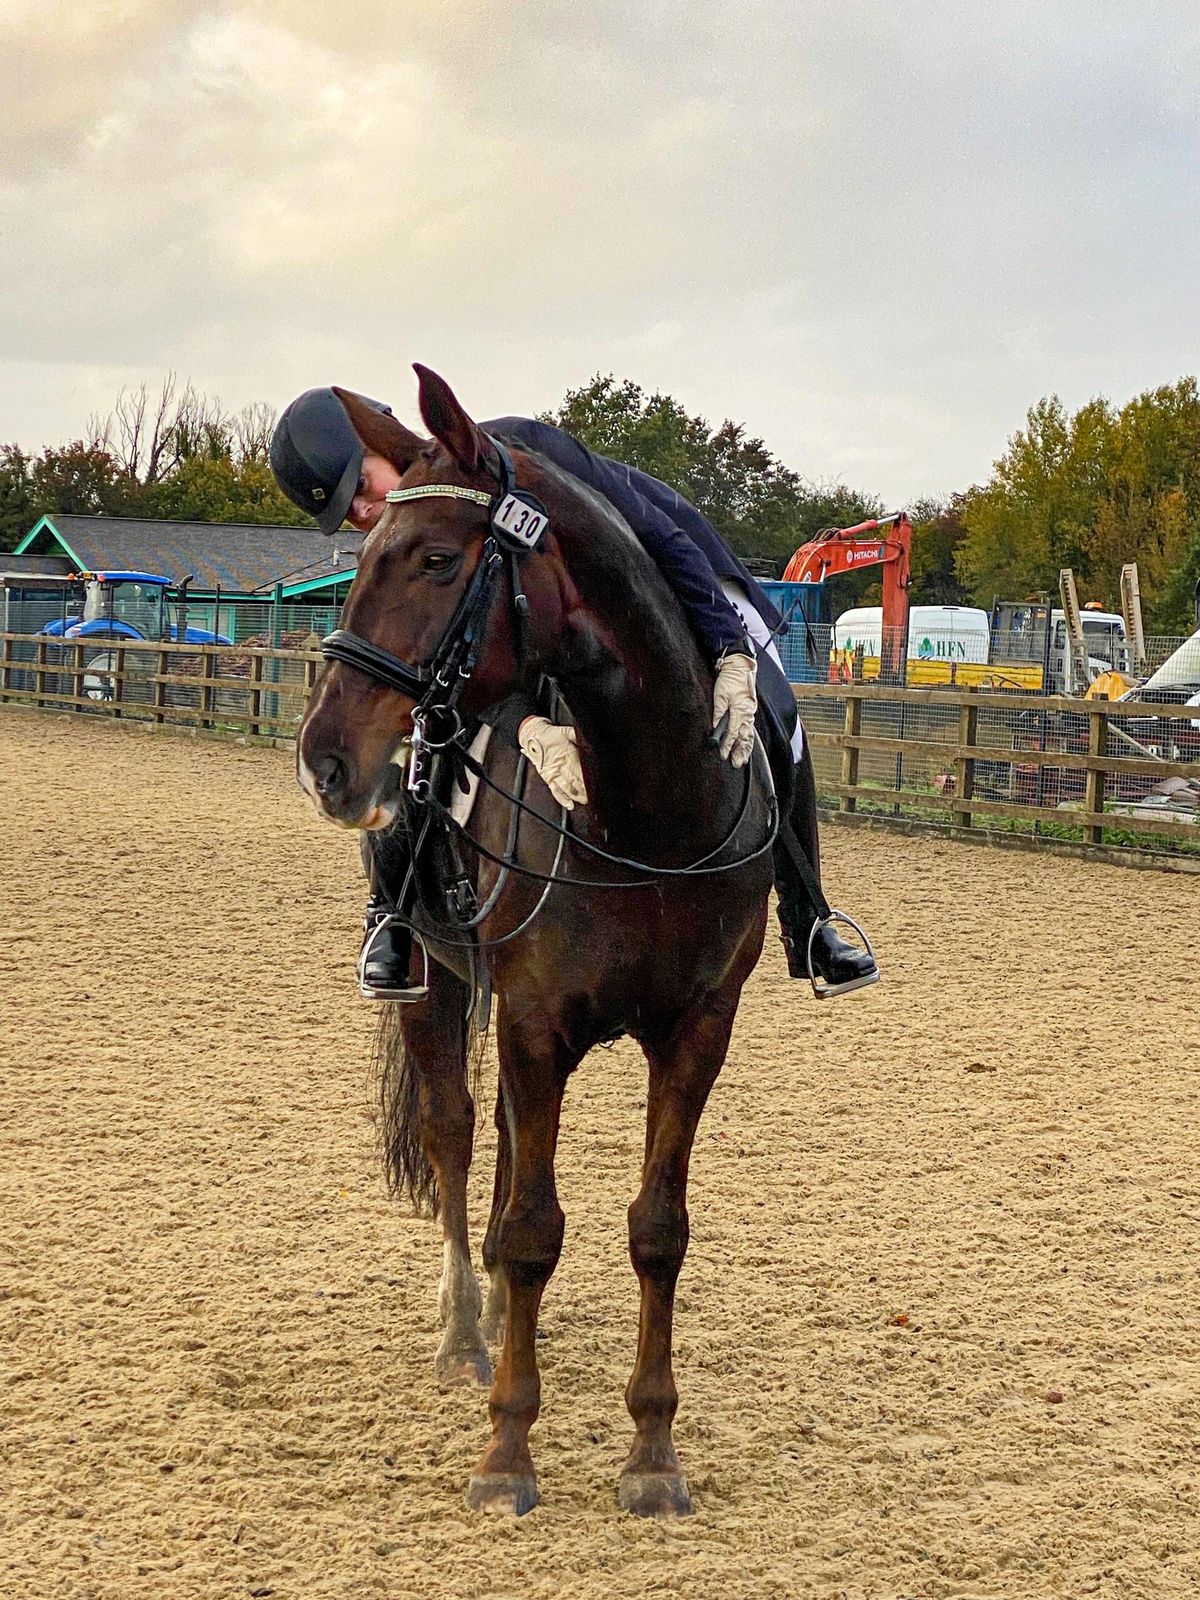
[380, 431]
[447, 420]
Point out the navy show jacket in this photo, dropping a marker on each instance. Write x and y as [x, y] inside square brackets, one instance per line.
[682, 542]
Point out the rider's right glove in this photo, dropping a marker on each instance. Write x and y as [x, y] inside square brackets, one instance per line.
[736, 696]
[554, 755]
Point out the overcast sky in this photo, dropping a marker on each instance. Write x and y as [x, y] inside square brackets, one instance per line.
[873, 233]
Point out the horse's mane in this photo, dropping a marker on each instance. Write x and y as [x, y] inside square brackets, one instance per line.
[607, 560]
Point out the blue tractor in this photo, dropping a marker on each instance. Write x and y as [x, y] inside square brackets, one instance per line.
[124, 605]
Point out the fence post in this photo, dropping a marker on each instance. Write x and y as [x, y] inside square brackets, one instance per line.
[1093, 792]
[964, 777]
[77, 676]
[208, 694]
[851, 727]
[160, 688]
[5, 666]
[40, 672]
[256, 678]
[119, 681]
[255, 695]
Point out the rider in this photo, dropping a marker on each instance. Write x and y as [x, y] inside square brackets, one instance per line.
[321, 464]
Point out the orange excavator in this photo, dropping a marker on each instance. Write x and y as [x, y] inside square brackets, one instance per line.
[845, 550]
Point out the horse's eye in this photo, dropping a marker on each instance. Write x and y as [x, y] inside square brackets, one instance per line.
[438, 561]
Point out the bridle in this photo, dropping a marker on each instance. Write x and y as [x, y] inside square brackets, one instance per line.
[516, 522]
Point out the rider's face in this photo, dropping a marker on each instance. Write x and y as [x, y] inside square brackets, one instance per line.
[374, 480]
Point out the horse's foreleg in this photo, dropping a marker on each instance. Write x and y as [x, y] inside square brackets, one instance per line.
[435, 1037]
[533, 1074]
[496, 1306]
[683, 1068]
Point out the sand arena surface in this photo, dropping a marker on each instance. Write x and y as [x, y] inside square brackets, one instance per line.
[918, 1216]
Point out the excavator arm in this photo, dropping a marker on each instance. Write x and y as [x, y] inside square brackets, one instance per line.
[846, 549]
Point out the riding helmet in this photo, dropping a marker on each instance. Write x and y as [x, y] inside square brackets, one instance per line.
[316, 455]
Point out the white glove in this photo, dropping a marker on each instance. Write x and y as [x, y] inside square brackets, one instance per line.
[735, 694]
[552, 753]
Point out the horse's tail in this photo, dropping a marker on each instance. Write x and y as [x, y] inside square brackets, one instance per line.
[408, 1169]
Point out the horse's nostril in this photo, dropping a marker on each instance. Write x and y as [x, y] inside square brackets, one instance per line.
[329, 775]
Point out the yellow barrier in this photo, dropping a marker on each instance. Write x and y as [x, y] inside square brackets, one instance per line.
[963, 674]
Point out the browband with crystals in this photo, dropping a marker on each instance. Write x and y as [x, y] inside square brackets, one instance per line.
[429, 491]
[518, 518]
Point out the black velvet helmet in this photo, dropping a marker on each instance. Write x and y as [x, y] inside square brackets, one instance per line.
[316, 456]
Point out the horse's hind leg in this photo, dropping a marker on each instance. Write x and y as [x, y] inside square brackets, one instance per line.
[683, 1068]
[435, 1095]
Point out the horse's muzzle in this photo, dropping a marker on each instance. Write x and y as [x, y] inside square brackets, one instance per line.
[336, 788]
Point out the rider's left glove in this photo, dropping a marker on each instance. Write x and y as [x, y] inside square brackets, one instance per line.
[735, 695]
[552, 752]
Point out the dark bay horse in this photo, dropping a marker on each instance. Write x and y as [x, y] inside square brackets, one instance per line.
[662, 958]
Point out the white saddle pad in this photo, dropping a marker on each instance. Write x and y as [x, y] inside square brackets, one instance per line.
[462, 804]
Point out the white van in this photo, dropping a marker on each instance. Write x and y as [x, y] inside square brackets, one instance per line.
[935, 633]
[1178, 677]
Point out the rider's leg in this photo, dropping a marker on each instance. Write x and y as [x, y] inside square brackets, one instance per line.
[841, 966]
[386, 960]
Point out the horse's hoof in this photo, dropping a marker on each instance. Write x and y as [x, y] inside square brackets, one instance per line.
[505, 1494]
[654, 1494]
[462, 1369]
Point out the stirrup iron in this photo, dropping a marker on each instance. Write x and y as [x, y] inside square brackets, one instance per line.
[409, 996]
[827, 991]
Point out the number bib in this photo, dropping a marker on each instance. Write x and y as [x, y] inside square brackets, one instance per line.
[521, 519]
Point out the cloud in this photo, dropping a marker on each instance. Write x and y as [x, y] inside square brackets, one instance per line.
[874, 236]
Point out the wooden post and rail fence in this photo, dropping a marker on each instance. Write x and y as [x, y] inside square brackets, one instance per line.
[975, 758]
[239, 689]
[971, 758]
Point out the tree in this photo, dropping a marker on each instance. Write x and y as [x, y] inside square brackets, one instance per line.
[139, 431]
[938, 533]
[216, 489]
[762, 507]
[81, 479]
[150, 435]
[1092, 492]
[1150, 512]
[17, 514]
[1037, 513]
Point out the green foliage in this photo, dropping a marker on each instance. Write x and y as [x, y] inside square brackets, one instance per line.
[81, 479]
[760, 506]
[1092, 491]
[212, 488]
[938, 533]
[76, 478]
[177, 457]
[17, 515]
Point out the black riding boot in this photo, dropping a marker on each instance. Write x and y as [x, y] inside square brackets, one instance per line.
[836, 966]
[385, 962]
[386, 959]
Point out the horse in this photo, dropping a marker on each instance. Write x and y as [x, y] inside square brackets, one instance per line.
[644, 917]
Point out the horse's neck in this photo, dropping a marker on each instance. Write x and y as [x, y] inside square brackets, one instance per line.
[642, 699]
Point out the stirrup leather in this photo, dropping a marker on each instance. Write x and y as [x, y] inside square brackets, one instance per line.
[408, 996]
[826, 991]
